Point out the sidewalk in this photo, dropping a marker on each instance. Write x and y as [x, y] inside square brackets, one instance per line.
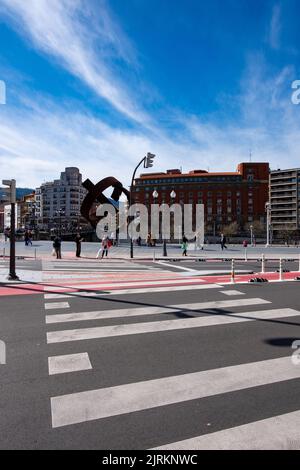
[43, 249]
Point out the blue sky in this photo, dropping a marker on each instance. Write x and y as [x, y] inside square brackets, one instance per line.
[98, 83]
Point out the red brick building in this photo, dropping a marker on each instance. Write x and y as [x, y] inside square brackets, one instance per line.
[238, 196]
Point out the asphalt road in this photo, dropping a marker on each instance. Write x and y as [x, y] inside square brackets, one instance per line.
[140, 419]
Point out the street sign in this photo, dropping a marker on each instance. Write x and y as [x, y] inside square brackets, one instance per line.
[11, 189]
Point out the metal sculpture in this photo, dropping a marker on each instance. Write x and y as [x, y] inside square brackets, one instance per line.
[95, 195]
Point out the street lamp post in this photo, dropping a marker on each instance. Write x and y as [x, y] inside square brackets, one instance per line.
[251, 234]
[148, 162]
[155, 196]
[267, 206]
[33, 216]
[60, 212]
[12, 256]
[172, 196]
[165, 253]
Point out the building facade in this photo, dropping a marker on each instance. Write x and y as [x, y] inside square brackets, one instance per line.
[27, 211]
[228, 197]
[7, 213]
[284, 190]
[57, 203]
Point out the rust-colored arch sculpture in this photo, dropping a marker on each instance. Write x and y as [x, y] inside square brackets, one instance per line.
[95, 194]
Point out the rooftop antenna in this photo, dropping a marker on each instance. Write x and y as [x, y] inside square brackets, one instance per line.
[250, 155]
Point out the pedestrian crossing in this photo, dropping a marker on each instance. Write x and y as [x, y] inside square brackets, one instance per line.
[107, 402]
[113, 276]
[223, 312]
[277, 433]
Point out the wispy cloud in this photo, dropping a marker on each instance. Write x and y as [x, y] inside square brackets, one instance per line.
[40, 138]
[67, 30]
[275, 27]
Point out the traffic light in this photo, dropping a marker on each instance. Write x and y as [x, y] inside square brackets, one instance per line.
[148, 163]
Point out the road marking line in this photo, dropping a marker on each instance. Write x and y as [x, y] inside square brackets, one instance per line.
[166, 325]
[129, 283]
[136, 312]
[142, 290]
[56, 296]
[276, 433]
[113, 401]
[53, 288]
[56, 305]
[69, 363]
[232, 292]
[170, 265]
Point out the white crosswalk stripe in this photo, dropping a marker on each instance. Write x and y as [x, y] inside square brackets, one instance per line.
[165, 325]
[69, 363]
[102, 403]
[96, 403]
[276, 433]
[56, 305]
[135, 312]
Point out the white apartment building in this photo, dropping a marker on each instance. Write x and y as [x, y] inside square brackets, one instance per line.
[58, 202]
[284, 190]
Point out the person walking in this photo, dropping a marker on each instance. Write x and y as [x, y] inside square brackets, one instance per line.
[57, 246]
[148, 241]
[26, 237]
[105, 246]
[6, 234]
[29, 238]
[184, 246]
[223, 242]
[78, 241]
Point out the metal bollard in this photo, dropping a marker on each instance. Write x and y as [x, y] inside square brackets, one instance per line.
[154, 255]
[35, 253]
[3, 253]
[299, 264]
[263, 263]
[246, 257]
[280, 270]
[232, 272]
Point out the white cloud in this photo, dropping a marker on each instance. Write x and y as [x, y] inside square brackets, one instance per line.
[67, 30]
[39, 140]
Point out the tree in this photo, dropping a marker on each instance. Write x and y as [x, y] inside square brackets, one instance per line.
[258, 228]
[288, 235]
[231, 229]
